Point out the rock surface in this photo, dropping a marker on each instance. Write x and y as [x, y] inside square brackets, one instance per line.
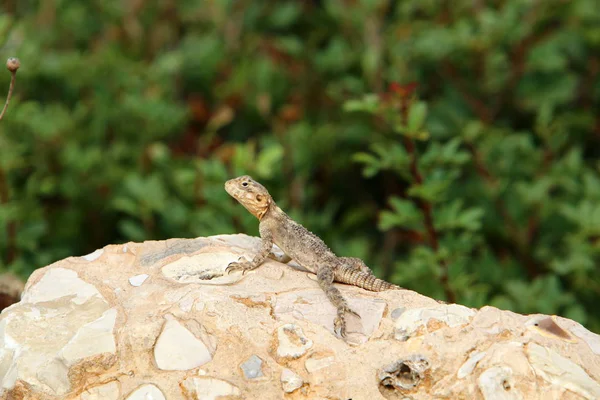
[158, 320]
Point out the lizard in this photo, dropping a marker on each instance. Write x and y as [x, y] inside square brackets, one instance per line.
[301, 245]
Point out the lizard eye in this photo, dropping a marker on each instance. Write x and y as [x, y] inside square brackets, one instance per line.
[244, 184]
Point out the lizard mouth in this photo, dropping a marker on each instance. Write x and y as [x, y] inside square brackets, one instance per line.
[230, 187]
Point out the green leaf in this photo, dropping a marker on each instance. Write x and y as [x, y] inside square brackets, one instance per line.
[268, 160]
[433, 192]
[370, 162]
[368, 103]
[416, 116]
[284, 14]
[404, 214]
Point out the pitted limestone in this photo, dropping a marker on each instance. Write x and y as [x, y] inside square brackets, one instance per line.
[283, 322]
[498, 383]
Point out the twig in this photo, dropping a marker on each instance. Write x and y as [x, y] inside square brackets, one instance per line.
[11, 228]
[12, 64]
[453, 76]
[520, 243]
[427, 211]
[425, 206]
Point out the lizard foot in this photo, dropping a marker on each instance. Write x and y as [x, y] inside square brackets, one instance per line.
[240, 265]
[339, 323]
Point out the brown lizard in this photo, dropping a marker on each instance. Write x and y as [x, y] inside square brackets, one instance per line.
[303, 246]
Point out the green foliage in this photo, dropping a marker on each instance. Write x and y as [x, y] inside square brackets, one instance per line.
[480, 182]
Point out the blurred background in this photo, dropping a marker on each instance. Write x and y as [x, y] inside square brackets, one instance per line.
[453, 145]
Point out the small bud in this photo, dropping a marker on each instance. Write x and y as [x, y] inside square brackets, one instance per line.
[13, 64]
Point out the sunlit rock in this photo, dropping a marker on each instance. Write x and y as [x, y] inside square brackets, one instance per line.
[161, 320]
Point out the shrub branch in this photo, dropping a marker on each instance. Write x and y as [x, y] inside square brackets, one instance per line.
[425, 206]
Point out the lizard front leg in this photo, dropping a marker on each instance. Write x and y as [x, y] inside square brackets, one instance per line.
[265, 249]
[325, 279]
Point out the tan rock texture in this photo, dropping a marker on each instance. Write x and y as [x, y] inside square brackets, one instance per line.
[159, 320]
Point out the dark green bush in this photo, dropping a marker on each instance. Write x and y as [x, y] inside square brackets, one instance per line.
[479, 183]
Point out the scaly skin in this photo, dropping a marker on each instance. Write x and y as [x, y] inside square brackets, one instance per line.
[301, 245]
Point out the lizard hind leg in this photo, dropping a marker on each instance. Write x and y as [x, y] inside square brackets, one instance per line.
[356, 263]
[325, 279]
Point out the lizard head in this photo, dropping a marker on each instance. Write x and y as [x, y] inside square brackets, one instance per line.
[250, 194]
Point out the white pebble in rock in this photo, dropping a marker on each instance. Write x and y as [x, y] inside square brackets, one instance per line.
[146, 392]
[290, 381]
[178, 349]
[252, 367]
[138, 280]
[292, 343]
[207, 388]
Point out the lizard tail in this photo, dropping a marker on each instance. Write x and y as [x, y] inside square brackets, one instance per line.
[362, 279]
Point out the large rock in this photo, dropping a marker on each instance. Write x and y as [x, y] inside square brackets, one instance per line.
[158, 320]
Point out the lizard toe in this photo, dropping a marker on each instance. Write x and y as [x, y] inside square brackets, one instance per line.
[243, 266]
[339, 326]
[233, 266]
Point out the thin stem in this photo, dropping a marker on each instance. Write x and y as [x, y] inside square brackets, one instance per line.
[515, 237]
[12, 64]
[10, 90]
